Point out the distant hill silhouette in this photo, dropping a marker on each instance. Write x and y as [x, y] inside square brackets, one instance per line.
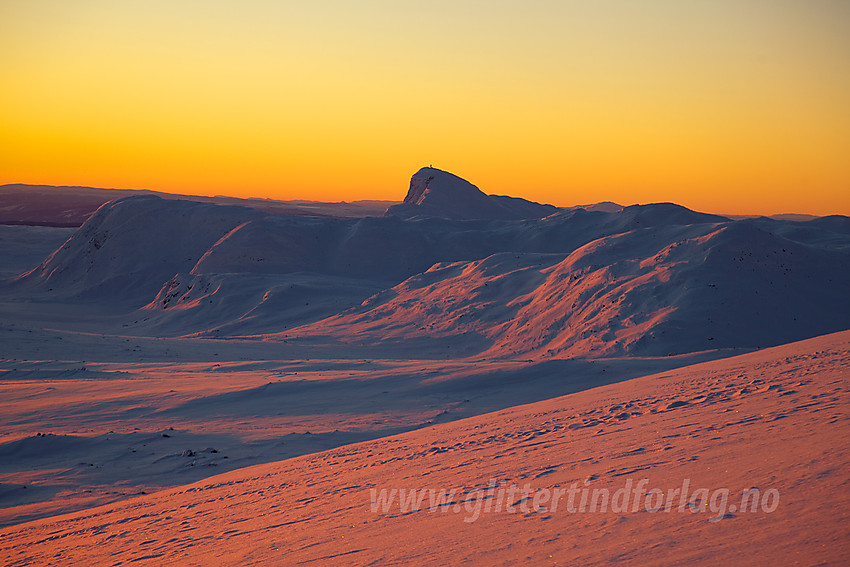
[47, 205]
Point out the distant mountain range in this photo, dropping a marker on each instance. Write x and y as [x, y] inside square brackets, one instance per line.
[492, 276]
[47, 205]
[432, 192]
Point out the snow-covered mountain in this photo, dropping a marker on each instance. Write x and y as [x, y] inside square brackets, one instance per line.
[650, 291]
[434, 192]
[129, 247]
[640, 280]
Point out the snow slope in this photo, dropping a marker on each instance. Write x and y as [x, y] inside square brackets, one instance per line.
[129, 247]
[90, 418]
[24, 247]
[772, 423]
[651, 291]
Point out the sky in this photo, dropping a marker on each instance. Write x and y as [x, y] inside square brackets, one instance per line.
[728, 106]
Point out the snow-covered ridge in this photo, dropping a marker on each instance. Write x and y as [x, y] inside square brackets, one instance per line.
[653, 291]
[645, 279]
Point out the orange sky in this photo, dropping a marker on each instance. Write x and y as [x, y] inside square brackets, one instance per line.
[732, 106]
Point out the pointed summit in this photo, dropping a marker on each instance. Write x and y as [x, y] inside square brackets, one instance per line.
[438, 185]
[438, 193]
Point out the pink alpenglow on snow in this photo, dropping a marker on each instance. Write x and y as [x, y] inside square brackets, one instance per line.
[771, 425]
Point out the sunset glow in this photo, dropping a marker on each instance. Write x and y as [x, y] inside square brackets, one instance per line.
[723, 106]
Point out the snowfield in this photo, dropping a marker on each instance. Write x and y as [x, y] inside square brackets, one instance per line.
[775, 421]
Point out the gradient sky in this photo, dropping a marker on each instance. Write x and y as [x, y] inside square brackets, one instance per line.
[731, 106]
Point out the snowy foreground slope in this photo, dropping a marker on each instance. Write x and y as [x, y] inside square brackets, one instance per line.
[769, 426]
